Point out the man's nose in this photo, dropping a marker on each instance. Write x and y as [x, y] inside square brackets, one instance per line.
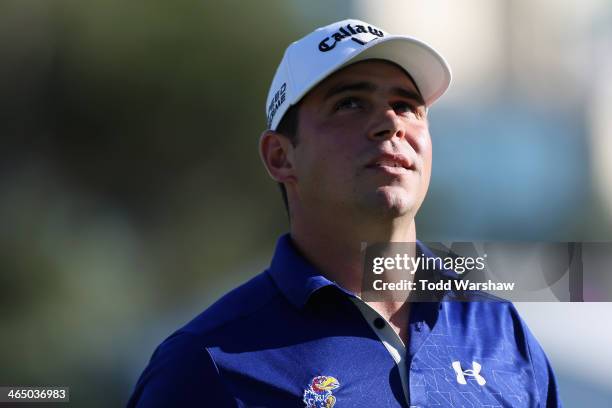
[387, 125]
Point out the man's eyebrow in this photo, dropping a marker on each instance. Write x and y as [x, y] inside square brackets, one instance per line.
[409, 94]
[368, 86]
[349, 87]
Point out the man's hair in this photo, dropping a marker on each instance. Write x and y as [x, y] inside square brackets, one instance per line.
[288, 127]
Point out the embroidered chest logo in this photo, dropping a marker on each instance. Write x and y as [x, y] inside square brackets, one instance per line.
[474, 372]
[319, 392]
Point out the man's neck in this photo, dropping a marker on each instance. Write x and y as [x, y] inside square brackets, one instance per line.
[337, 250]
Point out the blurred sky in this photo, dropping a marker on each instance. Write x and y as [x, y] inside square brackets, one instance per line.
[132, 197]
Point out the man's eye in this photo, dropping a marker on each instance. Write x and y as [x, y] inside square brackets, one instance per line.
[407, 107]
[347, 103]
[403, 107]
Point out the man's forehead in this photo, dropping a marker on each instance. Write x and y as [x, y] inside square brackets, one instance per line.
[373, 71]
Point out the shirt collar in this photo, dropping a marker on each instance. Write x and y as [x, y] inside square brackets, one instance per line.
[296, 278]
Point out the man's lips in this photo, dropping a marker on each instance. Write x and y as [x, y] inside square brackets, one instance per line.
[391, 162]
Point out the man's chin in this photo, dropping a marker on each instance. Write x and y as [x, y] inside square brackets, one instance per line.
[395, 201]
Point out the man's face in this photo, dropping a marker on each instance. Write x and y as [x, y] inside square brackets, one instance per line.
[363, 143]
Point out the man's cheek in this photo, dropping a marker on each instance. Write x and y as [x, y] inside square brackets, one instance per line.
[426, 177]
[424, 145]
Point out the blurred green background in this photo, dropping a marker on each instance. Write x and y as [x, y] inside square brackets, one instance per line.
[131, 192]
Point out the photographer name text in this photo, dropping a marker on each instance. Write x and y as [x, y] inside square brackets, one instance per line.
[424, 285]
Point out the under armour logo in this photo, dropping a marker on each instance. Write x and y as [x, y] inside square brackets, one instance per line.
[475, 372]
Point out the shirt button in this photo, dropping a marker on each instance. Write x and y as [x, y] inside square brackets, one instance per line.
[418, 326]
[379, 323]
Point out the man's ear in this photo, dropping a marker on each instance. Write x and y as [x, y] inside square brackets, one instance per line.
[276, 152]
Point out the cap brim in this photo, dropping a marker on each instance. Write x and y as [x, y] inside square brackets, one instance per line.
[425, 65]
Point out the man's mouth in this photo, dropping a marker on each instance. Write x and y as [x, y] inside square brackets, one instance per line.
[391, 162]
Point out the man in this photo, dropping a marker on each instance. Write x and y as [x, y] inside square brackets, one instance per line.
[348, 140]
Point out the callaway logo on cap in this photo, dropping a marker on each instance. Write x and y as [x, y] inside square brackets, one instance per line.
[327, 49]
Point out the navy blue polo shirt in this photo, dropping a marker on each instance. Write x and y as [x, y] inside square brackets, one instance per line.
[289, 337]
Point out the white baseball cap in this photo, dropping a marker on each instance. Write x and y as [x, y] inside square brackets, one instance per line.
[314, 57]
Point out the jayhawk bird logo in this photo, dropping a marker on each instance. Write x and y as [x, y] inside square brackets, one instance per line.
[319, 392]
